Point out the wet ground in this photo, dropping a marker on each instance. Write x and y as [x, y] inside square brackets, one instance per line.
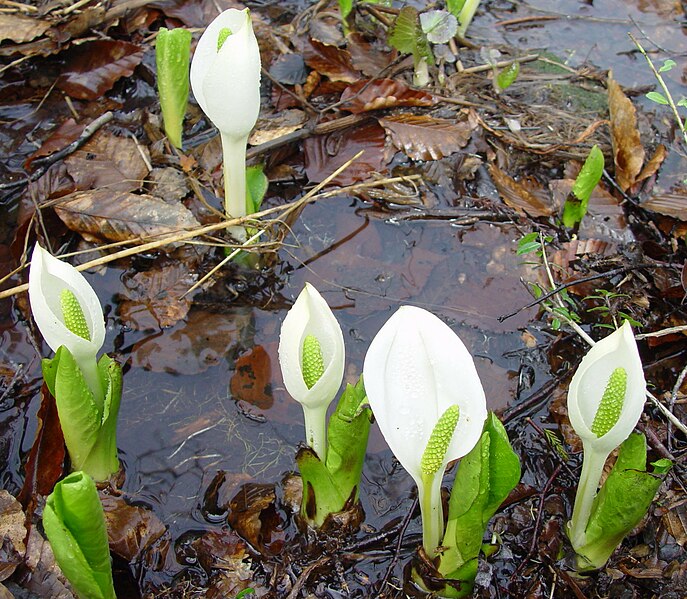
[192, 434]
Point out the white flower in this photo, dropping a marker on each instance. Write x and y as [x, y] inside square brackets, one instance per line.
[225, 78]
[49, 277]
[618, 350]
[415, 370]
[310, 317]
[605, 400]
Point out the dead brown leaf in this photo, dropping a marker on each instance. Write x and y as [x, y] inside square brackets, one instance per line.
[326, 153]
[102, 215]
[199, 343]
[12, 533]
[254, 515]
[518, 196]
[423, 137]
[20, 28]
[368, 57]
[330, 61]
[109, 161]
[94, 67]
[40, 572]
[277, 125]
[251, 381]
[154, 297]
[654, 163]
[131, 530]
[382, 93]
[61, 137]
[628, 153]
[672, 203]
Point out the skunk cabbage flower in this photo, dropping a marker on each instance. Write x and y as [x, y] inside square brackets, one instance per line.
[67, 312]
[605, 401]
[427, 398]
[225, 78]
[311, 357]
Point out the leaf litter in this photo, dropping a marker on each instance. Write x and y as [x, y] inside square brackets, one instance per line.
[521, 146]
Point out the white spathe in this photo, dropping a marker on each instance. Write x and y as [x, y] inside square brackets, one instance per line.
[617, 350]
[310, 315]
[415, 369]
[226, 84]
[48, 277]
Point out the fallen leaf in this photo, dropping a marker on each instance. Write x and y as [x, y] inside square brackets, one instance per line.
[628, 153]
[193, 14]
[368, 57]
[40, 573]
[289, 69]
[518, 196]
[45, 464]
[654, 163]
[326, 153]
[330, 61]
[66, 133]
[251, 381]
[675, 522]
[223, 550]
[154, 297]
[20, 28]
[104, 215]
[108, 161]
[374, 94]
[193, 346]
[277, 125]
[424, 137]
[672, 203]
[94, 67]
[131, 530]
[253, 514]
[12, 533]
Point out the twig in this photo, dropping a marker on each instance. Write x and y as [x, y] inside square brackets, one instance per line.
[303, 578]
[663, 332]
[46, 162]
[397, 549]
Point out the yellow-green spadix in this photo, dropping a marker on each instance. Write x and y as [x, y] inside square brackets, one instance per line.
[59, 295]
[311, 357]
[423, 388]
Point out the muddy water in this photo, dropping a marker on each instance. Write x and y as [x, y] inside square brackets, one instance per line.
[180, 423]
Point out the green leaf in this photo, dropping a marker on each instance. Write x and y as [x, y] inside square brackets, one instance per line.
[345, 8]
[403, 33]
[455, 6]
[74, 523]
[657, 97]
[668, 64]
[507, 76]
[256, 187]
[439, 26]
[682, 102]
[621, 503]
[172, 52]
[484, 479]
[576, 207]
[327, 487]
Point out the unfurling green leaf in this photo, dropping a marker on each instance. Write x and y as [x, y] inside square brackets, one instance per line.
[313, 362]
[74, 523]
[439, 440]
[576, 206]
[256, 187]
[507, 76]
[621, 503]
[484, 479]
[172, 54]
[611, 404]
[72, 313]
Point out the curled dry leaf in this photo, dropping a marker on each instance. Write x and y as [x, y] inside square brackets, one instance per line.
[382, 93]
[518, 196]
[131, 530]
[156, 298]
[331, 61]
[40, 573]
[108, 161]
[94, 67]
[326, 153]
[254, 515]
[423, 137]
[628, 153]
[12, 533]
[104, 215]
[20, 28]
